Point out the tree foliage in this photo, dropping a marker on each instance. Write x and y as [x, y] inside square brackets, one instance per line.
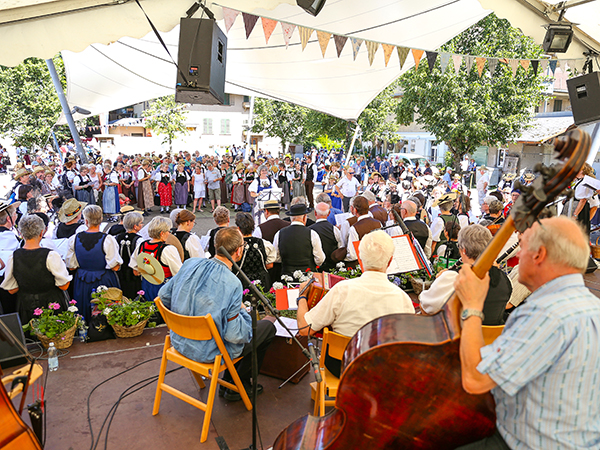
[29, 106]
[465, 110]
[166, 117]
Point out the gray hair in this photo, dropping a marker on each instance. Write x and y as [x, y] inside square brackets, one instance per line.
[321, 209]
[298, 201]
[564, 249]
[376, 250]
[323, 198]
[93, 215]
[369, 196]
[157, 226]
[221, 215]
[173, 216]
[473, 240]
[131, 219]
[489, 199]
[31, 226]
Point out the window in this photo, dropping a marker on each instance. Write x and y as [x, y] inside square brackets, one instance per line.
[207, 126]
[228, 100]
[225, 126]
[557, 105]
[246, 99]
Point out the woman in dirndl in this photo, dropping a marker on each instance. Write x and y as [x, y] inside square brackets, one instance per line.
[96, 257]
[248, 179]
[110, 197]
[83, 186]
[182, 187]
[164, 179]
[145, 195]
[284, 184]
[238, 193]
[298, 189]
[166, 255]
[127, 181]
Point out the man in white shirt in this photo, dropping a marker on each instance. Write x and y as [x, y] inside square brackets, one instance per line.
[482, 184]
[348, 187]
[331, 238]
[364, 224]
[213, 179]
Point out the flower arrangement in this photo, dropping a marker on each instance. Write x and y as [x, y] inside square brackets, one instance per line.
[346, 272]
[120, 311]
[52, 326]
[269, 295]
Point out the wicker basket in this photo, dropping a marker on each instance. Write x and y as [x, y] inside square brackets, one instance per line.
[127, 332]
[596, 249]
[420, 285]
[63, 340]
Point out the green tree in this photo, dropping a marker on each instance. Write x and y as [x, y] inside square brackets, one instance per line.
[283, 120]
[29, 106]
[166, 117]
[465, 110]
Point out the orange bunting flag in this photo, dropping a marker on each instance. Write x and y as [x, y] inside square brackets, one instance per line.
[480, 62]
[229, 15]
[417, 55]
[525, 64]
[457, 61]
[402, 54]
[268, 27]
[372, 49]
[288, 30]
[305, 34]
[323, 40]
[387, 52]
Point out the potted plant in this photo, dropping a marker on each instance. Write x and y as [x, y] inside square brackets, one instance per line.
[420, 280]
[127, 317]
[49, 325]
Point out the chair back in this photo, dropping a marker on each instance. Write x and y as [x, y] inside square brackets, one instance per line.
[198, 328]
[491, 332]
[337, 344]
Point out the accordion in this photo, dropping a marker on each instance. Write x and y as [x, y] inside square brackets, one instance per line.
[321, 286]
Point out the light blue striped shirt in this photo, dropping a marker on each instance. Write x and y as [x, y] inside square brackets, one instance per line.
[547, 364]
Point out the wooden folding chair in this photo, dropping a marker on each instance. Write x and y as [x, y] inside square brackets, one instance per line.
[200, 328]
[491, 332]
[337, 344]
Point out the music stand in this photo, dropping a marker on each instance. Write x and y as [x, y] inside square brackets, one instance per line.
[263, 196]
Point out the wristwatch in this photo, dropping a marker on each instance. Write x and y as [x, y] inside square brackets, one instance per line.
[472, 312]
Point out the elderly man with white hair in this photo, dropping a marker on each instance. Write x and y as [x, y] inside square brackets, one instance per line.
[351, 304]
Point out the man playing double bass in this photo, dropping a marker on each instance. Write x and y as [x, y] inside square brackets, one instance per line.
[542, 370]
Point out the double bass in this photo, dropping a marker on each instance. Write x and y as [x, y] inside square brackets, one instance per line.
[401, 380]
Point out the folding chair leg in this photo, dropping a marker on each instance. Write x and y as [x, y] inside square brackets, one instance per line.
[238, 383]
[317, 399]
[199, 379]
[322, 395]
[161, 376]
[210, 401]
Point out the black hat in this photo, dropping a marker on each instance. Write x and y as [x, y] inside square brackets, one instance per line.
[298, 210]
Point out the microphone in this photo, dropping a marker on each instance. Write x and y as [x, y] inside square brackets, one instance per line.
[314, 362]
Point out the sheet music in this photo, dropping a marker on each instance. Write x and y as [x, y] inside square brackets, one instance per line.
[404, 259]
[340, 218]
[591, 184]
[292, 295]
[290, 323]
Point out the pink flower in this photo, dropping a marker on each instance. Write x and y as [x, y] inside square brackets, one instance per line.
[38, 312]
[246, 291]
[73, 302]
[54, 306]
[141, 292]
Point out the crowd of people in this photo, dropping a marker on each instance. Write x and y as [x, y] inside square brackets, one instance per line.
[53, 227]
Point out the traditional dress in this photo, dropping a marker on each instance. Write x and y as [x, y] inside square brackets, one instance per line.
[130, 284]
[181, 188]
[199, 185]
[166, 255]
[336, 202]
[164, 188]
[145, 195]
[110, 197]
[254, 261]
[298, 188]
[284, 185]
[129, 192]
[86, 194]
[247, 182]
[238, 193]
[94, 254]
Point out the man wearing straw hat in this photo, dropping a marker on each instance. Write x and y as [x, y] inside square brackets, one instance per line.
[21, 176]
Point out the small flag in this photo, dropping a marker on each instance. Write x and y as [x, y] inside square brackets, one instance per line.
[514, 65]
[229, 15]
[535, 64]
[417, 55]
[340, 42]
[444, 60]
[356, 43]
[288, 30]
[268, 27]
[305, 34]
[492, 63]
[249, 22]
[469, 61]
[402, 54]
[372, 49]
[323, 40]
[544, 64]
[480, 62]
[431, 58]
[553, 63]
[525, 64]
[457, 61]
[387, 52]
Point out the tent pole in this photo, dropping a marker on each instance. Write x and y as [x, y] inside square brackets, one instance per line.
[66, 111]
[352, 143]
[250, 119]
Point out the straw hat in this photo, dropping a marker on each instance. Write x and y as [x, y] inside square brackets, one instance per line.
[509, 176]
[271, 204]
[446, 198]
[4, 205]
[21, 173]
[39, 169]
[150, 268]
[456, 176]
[529, 176]
[70, 209]
[239, 167]
[49, 172]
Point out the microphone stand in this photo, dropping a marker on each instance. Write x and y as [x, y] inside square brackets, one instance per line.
[309, 354]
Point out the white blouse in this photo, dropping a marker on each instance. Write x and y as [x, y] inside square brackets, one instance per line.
[111, 252]
[170, 257]
[54, 264]
[194, 247]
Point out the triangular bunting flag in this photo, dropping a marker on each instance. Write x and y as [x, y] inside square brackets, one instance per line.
[525, 64]
[431, 57]
[356, 43]
[402, 54]
[571, 63]
[305, 34]
[480, 62]
[469, 61]
[457, 61]
[229, 15]
[288, 30]
[372, 49]
[340, 41]
[535, 64]
[268, 27]
[323, 40]
[492, 63]
[544, 64]
[417, 55]
[387, 52]
[444, 60]
[249, 22]
[503, 60]
[553, 65]
[514, 65]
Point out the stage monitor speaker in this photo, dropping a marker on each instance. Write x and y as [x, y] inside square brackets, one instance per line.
[202, 57]
[11, 354]
[584, 94]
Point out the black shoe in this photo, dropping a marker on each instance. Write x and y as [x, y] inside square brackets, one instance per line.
[145, 214]
[232, 396]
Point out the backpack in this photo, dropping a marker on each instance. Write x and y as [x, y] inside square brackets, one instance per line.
[246, 207]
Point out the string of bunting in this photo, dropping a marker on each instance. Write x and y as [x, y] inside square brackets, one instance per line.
[323, 38]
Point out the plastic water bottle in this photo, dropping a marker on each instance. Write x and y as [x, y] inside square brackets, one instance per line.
[83, 330]
[52, 358]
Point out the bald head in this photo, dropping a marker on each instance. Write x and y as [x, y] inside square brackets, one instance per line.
[410, 208]
[321, 210]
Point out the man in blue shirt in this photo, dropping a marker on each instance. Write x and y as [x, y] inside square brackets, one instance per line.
[542, 370]
[207, 286]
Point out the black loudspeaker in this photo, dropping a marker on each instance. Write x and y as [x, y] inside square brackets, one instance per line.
[584, 94]
[202, 57]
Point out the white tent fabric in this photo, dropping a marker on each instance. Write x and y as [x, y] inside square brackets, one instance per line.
[103, 78]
